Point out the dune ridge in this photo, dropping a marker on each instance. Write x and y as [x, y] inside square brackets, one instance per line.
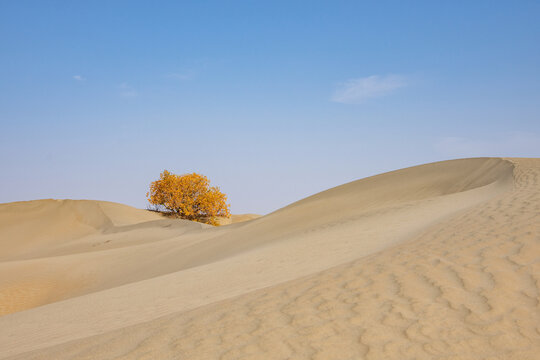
[439, 260]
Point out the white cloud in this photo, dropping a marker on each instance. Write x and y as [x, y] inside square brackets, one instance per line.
[517, 144]
[356, 91]
[181, 75]
[78, 78]
[127, 91]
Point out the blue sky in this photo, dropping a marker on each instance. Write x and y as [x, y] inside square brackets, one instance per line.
[273, 101]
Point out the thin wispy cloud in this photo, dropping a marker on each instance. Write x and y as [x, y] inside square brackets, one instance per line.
[78, 78]
[510, 144]
[181, 76]
[127, 91]
[357, 91]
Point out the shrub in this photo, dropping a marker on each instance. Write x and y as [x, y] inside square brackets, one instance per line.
[188, 197]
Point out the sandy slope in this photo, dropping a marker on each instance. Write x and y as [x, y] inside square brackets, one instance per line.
[435, 261]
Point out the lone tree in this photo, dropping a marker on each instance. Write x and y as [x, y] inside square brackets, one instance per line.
[188, 197]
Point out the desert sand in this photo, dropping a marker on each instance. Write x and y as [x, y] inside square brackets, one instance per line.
[438, 261]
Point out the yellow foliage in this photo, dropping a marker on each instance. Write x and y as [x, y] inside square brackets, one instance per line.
[189, 197]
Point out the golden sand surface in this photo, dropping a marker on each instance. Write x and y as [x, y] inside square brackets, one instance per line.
[438, 261]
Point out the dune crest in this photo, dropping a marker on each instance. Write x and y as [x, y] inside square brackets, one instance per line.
[438, 260]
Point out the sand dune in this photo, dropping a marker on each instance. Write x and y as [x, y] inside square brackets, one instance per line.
[435, 261]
